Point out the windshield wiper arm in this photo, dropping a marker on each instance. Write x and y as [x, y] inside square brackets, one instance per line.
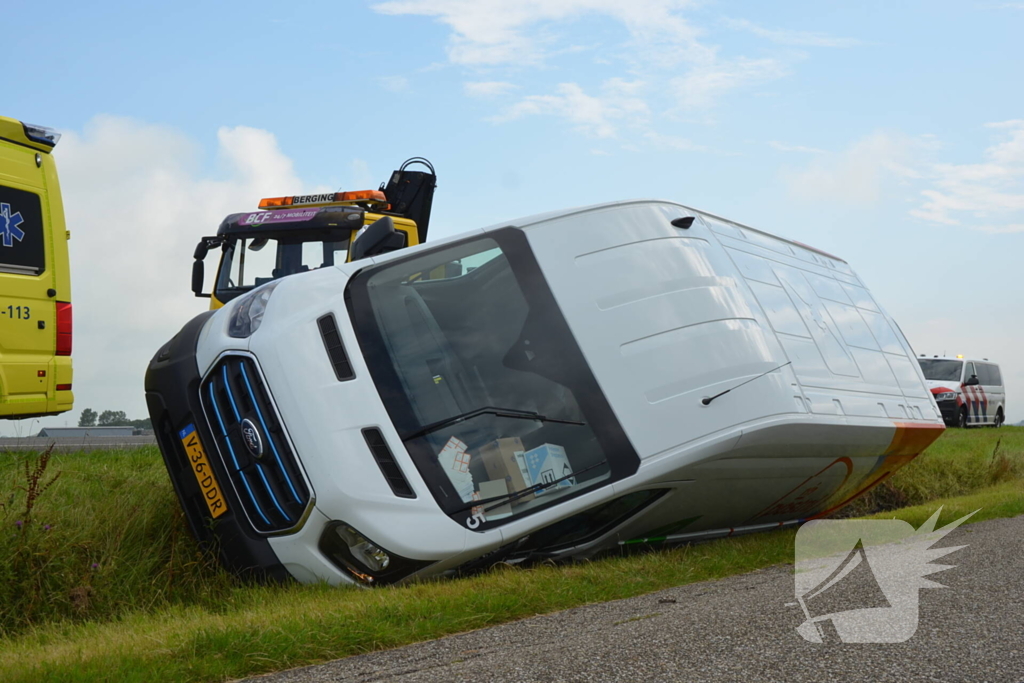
[516, 495]
[488, 410]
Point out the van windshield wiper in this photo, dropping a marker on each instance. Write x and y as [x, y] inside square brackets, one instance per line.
[488, 410]
[516, 495]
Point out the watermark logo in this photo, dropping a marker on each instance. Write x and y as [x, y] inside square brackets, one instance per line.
[858, 580]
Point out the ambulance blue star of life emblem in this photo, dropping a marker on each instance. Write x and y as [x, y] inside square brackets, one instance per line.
[9, 223]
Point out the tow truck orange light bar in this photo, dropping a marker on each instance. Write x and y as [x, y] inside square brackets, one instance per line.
[375, 196]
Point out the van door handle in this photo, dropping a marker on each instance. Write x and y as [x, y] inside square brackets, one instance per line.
[51, 293]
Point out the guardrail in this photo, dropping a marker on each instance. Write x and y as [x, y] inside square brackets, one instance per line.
[73, 444]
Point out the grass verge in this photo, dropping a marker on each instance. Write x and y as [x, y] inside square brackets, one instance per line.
[261, 629]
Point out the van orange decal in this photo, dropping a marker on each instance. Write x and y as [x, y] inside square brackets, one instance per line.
[909, 441]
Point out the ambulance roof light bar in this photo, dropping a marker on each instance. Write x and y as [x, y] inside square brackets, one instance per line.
[47, 136]
[371, 196]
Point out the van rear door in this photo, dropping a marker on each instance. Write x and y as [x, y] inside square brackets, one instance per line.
[27, 283]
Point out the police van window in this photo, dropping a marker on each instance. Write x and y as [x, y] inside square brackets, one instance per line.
[988, 375]
[940, 369]
[21, 232]
[970, 372]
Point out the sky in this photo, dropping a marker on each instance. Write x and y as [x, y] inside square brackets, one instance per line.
[889, 134]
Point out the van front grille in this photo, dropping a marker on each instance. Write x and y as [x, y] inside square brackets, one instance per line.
[263, 469]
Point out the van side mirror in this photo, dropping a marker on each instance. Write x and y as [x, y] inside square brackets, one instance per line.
[379, 238]
[972, 382]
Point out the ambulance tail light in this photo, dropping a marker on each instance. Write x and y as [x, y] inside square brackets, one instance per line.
[63, 329]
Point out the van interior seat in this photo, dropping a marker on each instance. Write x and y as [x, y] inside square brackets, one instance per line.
[432, 374]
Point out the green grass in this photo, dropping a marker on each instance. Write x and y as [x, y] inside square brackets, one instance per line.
[107, 537]
[157, 609]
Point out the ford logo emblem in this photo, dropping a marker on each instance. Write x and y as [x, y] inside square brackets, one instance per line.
[251, 437]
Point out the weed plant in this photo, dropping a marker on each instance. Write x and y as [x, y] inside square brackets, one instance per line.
[95, 535]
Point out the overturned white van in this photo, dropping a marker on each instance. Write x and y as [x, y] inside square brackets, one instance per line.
[550, 387]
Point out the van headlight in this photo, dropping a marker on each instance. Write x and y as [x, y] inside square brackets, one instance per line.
[366, 561]
[248, 311]
[946, 396]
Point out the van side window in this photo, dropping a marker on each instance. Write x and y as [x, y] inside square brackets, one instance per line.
[969, 370]
[21, 232]
[988, 375]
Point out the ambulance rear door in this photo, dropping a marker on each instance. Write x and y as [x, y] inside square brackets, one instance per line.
[27, 283]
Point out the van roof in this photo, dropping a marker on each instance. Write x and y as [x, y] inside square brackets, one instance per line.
[542, 217]
[925, 356]
[15, 131]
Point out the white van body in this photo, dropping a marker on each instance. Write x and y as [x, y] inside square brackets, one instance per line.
[734, 382]
[968, 392]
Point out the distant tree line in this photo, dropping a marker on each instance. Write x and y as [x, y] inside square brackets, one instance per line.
[111, 418]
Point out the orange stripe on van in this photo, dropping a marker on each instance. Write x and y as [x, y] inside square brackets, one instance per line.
[909, 441]
[911, 438]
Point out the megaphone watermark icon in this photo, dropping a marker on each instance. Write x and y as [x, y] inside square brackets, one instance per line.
[861, 578]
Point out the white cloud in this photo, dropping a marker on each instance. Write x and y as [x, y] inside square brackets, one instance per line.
[595, 116]
[138, 197]
[658, 40]
[492, 32]
[788, 37]
[488, 89]
[704, 84]
[861, 172]
[987, 196]
[394, 83]
[673, 142]
[782, 147]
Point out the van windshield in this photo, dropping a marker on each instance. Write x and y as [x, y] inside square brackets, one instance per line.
[484, 381]
[251, 262]
[941, 370]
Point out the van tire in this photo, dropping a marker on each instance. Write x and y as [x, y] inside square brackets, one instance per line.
[961, 418]
[999, 419]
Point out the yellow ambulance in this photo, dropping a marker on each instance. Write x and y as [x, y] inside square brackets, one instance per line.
[35, 282]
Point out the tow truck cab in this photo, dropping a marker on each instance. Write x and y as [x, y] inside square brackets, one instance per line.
[299, 233]
[35, 283]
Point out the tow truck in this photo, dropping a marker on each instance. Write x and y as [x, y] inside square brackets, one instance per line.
[298, 233]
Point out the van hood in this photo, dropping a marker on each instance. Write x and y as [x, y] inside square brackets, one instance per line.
[939, 386]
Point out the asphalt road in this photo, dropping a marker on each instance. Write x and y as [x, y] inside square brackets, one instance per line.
[736, 629]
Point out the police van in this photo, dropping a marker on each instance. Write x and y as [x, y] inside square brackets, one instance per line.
[549, 387]
[968, 392]
[35, 283]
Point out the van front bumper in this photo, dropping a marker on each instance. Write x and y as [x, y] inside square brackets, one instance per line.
[950, 410]
[172, 396]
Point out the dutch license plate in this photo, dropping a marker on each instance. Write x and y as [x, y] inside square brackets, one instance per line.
[204, 473]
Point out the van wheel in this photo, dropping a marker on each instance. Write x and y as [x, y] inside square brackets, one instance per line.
[961, 418]
[999, 419]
